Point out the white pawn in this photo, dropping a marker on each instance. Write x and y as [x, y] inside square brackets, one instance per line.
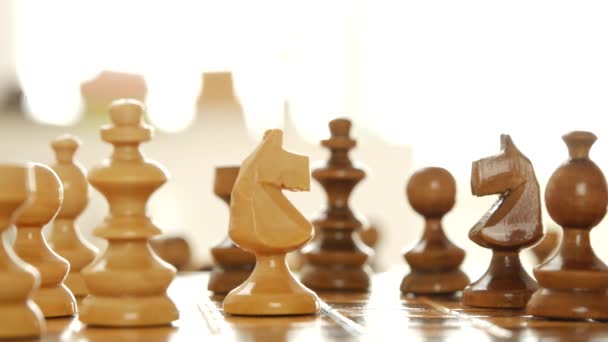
[65, 239]
[53, 297]
[19, 316]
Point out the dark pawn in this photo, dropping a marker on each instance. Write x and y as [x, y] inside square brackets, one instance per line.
[435, 260]
[574, 281]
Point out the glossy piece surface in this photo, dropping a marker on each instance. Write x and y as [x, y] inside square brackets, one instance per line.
[232, 264]
[574, 281]
[19, 316]
[53, 297]
[434, 260]
[65, 238]
[265, 223]
[512, 223]
[337, 258]
[128, 283]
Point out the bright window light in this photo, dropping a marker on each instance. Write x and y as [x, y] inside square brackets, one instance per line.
[61, 44]
[449, 77]
[435, 75]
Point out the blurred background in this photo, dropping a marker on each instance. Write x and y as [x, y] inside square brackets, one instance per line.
[424, 82]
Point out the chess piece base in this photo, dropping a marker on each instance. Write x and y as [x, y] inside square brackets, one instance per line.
[223, 280]
[504, 285]
[20, 320]
[128, 311]
[336, 277]
[75, 282]
[504, 299]
[271, 290]
[569, 304]
[434, 282]
[55, 301]
[127, 287]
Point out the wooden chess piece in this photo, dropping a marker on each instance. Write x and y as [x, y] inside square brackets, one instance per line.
[435, 260]
[128, 283]
[370, 235]
[574, 281]
[512, 223]
[265, 223]
[337, 259]
[233, 265]
[53, 297]
[65, 239]
[174, 250]
[546, 246]
[20, 317]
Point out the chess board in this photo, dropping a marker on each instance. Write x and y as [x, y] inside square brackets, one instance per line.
[381, 314]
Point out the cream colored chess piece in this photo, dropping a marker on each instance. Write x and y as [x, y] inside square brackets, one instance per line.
[53, 297]
[19, 316]
[65, 239]
[265, 223]
[128, 283]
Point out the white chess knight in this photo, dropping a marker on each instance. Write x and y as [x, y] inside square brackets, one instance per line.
[265, 223]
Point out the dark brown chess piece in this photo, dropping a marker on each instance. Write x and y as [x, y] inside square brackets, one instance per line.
[233, 265]
[574, 281]
[435, 260]
[512, 223]
[337, 259]
[174, 250]
[546, 246]
[370, 235]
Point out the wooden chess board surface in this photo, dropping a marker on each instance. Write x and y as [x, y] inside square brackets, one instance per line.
[381, 314]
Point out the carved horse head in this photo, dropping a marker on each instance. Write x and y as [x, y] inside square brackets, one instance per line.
[261, 218]
[514, 221]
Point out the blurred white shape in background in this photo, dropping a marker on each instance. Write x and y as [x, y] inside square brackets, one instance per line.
[260, 73]
[61, 44]
[318, 65]
[49, 59]
[447, 77]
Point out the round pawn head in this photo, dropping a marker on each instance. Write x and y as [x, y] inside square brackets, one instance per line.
[45, 200]
[16, 183]
[577, 194]
[431, 192]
